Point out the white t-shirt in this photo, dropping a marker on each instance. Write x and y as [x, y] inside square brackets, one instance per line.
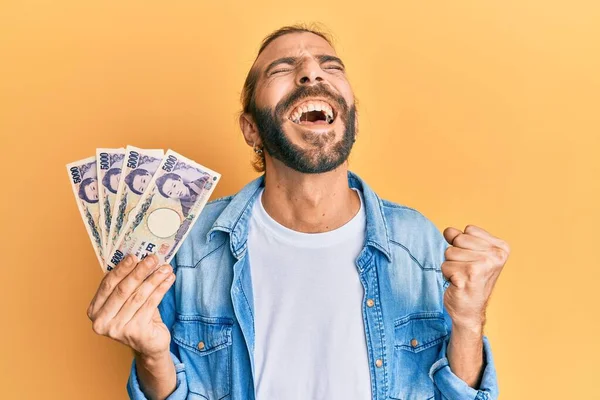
[310, 337]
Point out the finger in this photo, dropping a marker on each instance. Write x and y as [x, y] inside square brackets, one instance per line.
[141, 295]
[450, 233]
[480, 232]
[146, 312]
[454, 271]
[108, 283]
[453, 253]
[459, 239]
[124, 289]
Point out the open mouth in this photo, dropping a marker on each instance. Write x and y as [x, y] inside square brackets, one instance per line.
[313, 112]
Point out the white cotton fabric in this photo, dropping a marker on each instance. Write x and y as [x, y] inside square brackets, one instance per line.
[309, 331]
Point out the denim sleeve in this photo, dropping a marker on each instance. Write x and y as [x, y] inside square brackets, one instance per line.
[167, 313]
[180, 392]
[453, 388]
[450, 385]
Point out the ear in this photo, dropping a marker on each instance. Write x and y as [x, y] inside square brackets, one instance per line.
[248, 128]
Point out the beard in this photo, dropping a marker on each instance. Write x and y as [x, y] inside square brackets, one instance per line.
[316, 159]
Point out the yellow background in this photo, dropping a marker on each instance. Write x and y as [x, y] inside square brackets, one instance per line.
[480, 113]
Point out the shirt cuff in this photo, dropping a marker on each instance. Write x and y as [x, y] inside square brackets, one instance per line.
[454, 388]
[180, 392]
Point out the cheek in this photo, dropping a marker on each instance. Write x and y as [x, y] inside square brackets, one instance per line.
[345, 90]
[273, 90]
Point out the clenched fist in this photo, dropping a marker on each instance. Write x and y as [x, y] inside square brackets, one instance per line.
[125, 307]
[473, 264]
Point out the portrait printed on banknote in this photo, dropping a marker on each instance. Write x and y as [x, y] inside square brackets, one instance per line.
[84, 182]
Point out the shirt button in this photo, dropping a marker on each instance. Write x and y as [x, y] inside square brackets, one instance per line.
[379, 363]
[370, 303]
[414, 343]
[201, 345]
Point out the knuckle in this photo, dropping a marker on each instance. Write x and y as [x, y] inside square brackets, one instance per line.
[168, 267]
[122, 264]
[470, 270]
[126, 333]
[98, 327]
[138, 297]
[116, 272]
[120, 291]
[169, 280]
[148, 263]
[502, 254]
[142, 270]
[448, 251]
[460, 283]
[483, 260]
[114, 331]
[106, 286]
[474, 271]
[499, 254]
[492, 258]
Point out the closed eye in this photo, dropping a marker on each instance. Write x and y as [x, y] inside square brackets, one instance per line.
[329, 67]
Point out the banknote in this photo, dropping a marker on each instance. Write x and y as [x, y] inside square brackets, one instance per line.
[109, 163]
[166, 211]
[84, 182]
[137, 171]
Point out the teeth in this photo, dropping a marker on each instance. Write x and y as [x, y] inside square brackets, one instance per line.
[312, 106]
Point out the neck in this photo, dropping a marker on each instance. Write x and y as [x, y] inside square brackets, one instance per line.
[310, 203]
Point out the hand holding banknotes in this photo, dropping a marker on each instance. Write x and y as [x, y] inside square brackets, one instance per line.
[138, 204]
[125, 307]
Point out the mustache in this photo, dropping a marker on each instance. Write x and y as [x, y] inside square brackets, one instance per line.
[319, 90]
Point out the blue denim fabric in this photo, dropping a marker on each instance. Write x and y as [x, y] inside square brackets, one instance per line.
[407, 329]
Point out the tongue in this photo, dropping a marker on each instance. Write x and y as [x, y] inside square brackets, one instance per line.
[317, 122]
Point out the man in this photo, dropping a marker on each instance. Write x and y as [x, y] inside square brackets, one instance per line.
[305, 284]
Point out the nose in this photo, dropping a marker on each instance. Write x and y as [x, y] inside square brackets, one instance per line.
[310, 73]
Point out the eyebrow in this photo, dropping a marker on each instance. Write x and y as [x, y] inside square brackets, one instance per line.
[323, 58]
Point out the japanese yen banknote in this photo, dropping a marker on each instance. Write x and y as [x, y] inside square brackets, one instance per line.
[83, 175]
[137, 172]
[139, 201]
[109, 163]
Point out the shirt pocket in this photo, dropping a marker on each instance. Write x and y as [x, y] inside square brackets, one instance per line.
[418, 339]
[205, 349]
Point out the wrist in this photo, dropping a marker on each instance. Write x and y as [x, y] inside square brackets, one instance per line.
[468, 329]
[153, 361]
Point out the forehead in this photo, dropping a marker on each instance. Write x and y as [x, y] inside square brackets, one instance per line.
[296, 44]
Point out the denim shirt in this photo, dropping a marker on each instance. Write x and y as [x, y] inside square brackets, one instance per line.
[209, 309]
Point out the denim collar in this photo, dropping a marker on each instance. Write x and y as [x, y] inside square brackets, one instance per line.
[234, 218]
